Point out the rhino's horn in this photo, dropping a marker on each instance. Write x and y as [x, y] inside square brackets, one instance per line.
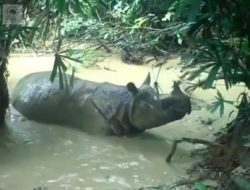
[147, 80]
[177, 92]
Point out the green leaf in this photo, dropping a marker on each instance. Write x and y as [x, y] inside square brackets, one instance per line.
[219, 95]
[211, 77]
[72, 59]
[214, 106]
[54, 71]
[200, 186]
[72, 77]
[59, 45]
[60, 63]
[199, 71]
[222, 108]
[242, 183]
[78, 6]
[61, 82]
[140, 21]
[219, 104]
[63, 66]
[66, 81]
[167, 16]
[194, 10]
[61, 6]
[246, 137]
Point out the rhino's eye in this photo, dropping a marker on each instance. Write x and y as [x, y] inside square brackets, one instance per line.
[146, 106]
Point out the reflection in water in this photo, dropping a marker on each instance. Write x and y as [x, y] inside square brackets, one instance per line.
[61, 158]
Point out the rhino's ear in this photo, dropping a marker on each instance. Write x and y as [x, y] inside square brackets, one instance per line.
[132, 88]
[147, 80]
[176, 84]
[176, 89]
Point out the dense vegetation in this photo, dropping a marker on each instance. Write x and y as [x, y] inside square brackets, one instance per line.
[215, 33]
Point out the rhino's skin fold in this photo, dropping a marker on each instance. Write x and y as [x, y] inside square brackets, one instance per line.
[127, 110]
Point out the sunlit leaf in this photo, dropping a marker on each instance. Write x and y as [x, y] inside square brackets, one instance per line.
[167, 16]
[140, 21]
[179, 39]
[200, 186]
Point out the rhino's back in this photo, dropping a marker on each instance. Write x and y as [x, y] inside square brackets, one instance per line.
[38, 99]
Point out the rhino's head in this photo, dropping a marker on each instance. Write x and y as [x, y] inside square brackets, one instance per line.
[147, 111]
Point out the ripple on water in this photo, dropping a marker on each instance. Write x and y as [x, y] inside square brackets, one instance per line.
[114, 179]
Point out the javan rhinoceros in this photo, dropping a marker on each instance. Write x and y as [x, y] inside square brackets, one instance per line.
[127, 110]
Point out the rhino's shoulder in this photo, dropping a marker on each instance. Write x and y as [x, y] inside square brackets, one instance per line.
[109, 98]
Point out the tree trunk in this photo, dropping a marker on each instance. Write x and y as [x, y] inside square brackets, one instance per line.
[4, 94]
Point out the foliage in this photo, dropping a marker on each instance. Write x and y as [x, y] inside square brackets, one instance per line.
[215, 29]
[137, 39]
[219, 103]
[136, 25]
[211, 27]
[47, 15]
[35, 16]
[220, 38]
[88, 56]
[242, 183]
[200, 186]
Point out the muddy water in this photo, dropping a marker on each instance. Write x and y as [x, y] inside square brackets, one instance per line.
[61, 158]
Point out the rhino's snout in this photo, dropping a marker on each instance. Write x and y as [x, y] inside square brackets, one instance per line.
[149, 112]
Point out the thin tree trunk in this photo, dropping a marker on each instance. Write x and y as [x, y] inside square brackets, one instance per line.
[4, 94]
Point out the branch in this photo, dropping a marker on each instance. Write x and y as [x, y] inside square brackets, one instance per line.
[186, 182]
[177, 183]
[189, 140]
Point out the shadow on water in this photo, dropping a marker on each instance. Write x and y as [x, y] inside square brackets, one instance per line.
[5, 137]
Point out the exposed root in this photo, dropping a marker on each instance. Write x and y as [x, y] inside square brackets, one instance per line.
[189, 140]
[186, 182]
[176, 184]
